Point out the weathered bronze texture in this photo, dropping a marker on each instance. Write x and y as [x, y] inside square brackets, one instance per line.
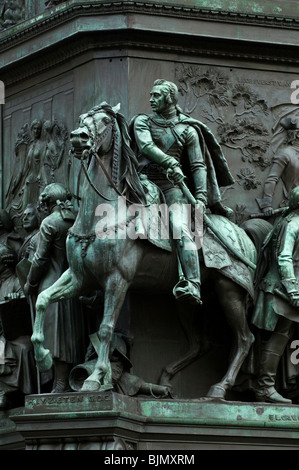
[235, 65]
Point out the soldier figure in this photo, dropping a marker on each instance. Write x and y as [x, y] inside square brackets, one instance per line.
[277, 306]
[285, 167]
[64, 322]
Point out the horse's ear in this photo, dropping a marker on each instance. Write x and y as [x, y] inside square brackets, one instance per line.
[116, 108]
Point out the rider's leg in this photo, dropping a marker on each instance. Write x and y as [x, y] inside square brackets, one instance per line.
[188, 287]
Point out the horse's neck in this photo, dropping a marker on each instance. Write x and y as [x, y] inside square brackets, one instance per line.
[90, 199]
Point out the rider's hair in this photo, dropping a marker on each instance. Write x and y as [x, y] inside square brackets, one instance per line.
[169, 89]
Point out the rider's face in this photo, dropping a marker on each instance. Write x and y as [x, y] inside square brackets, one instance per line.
[157, 100]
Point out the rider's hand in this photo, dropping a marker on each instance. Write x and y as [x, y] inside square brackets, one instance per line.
[176, 175]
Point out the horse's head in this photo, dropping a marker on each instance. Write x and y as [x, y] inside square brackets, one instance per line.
[95, 132]
[103, 129]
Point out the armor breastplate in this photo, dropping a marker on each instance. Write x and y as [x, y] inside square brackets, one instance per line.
[169, 137]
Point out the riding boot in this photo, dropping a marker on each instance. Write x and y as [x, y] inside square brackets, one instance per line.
[270, 357]
[188, 287]
[61, 381]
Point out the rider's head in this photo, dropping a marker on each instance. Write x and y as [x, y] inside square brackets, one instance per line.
[169, 90]
[294, 199]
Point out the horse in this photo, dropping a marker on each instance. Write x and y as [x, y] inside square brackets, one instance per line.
[118, 264]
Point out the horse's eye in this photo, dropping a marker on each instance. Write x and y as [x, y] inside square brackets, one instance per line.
[106, 120]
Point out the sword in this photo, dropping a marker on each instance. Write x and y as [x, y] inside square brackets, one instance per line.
[262, 215]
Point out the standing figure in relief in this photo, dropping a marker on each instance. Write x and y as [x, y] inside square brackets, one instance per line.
[64, 322]
[277, 306]
[285, 167]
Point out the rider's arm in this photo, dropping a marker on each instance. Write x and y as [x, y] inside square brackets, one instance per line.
[147, 146]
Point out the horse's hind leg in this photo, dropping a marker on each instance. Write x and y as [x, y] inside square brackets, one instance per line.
[186, 314]
[65, 287]
[233, 300]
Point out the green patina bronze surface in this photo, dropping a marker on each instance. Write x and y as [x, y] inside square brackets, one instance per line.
[163, 411]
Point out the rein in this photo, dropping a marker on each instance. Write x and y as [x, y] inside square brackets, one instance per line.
[94, 153]
[105, 173]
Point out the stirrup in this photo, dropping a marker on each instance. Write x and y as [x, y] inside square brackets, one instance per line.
[186, 290]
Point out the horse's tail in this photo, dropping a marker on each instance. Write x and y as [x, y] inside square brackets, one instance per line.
[257, 230]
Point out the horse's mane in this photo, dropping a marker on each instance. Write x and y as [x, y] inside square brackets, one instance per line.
[133, 188]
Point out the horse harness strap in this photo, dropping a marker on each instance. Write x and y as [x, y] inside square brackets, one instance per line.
[92, 185]
[107, 175]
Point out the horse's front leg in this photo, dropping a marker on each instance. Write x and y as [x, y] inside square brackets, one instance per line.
[65, 287]
[115, 293]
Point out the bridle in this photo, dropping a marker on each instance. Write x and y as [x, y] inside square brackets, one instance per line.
[93, 152]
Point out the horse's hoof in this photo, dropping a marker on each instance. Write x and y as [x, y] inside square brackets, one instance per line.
[46, 363]
[165, 380]
[94, 386]
[216, 391]
[90, 386]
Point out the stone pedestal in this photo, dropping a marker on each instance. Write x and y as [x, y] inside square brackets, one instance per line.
[10, 438]
[233, 62]
[109, 421]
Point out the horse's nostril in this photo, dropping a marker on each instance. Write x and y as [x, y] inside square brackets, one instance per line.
[79, 134]
[84, 136]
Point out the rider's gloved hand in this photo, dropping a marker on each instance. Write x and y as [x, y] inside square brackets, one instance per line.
[175, 174]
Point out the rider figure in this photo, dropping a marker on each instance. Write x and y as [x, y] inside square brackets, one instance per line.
[172, 146]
